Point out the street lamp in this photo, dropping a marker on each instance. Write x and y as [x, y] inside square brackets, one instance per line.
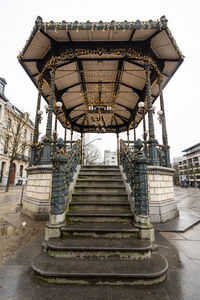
[58, 108]
[160, 114]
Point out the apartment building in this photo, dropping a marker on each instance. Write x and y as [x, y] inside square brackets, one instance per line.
[110, 158]
[10, 118]
[189, 166]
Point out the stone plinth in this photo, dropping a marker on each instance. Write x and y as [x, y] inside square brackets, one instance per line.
[36, 203]
[162, 204]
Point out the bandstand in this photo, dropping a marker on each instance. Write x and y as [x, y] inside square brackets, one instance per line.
[100, 77]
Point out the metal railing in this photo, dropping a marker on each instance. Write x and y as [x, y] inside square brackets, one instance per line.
[64, 162]
[135, 167]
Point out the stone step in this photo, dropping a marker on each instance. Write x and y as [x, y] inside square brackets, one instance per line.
[99, 182]
[99, 216]
[97, 229]
[96, 175]
[106, 167]
[101, 248]
[99, 196]
[100, 171]
[101, 271]
[99, 206]
[99, 188]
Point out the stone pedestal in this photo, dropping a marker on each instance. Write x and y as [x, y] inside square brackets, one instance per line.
[36, 203]
[162, 204]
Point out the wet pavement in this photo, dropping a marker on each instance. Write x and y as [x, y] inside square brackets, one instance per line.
[182, 250]
[13, 196]
[17, 281]
[188, 200]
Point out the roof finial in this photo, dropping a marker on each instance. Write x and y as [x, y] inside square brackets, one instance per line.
[163, 21]
[38, 22]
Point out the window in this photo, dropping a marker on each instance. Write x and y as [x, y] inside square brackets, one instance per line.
[8, 124]
[6, 146]
[2, 171]
[23, 149]
[0, 111]
[21, 171]
[25, 133]
[1, 88]
[31, 137]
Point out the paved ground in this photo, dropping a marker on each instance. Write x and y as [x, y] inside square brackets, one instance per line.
[188, 242]
[182, 251]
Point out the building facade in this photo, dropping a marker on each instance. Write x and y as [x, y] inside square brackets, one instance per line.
[188, 166]
[10, 118]
[110, 158]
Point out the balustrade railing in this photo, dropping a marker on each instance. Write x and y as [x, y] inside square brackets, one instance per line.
[126, 160]
[37, 151]
[161, 152]
[161, 156]
[64, 162]
[135, 167]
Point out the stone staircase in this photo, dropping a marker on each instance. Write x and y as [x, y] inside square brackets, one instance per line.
[99, 243]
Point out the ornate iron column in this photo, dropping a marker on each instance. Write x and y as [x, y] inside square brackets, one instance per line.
[46, 159]
[153, 157]
[65, 139]
[36, 128]
[134, 130]
[59, 190]
[164, 128]
[128, 137]
[81, 160]
[55, 128]
[71, 137]
[140, 181]
[145, 135]
[118, 148]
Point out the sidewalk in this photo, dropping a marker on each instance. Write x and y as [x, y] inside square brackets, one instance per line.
[180, 248]
[11, 188]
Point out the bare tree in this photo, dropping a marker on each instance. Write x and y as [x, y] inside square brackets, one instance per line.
[14, 141]
[91, 153]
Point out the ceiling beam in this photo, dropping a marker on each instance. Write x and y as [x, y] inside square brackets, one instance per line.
[126, 107]
[132, 34]
[99, 59]
[121, 117]
[82, 77]
[47, 36]
[118, 76]
[61, 92]
[134, 63]
[69, 36]
[75, 119]
[154, 34]
[66, 63]
[135, 90]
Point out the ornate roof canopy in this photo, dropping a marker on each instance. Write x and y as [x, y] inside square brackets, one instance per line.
[100, 69]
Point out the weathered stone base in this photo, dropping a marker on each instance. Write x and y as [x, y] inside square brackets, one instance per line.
[161, 212]
[35, 209]
[36, 203]
[162, 204]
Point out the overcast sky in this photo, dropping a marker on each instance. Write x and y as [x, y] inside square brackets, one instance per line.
[182, 99]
